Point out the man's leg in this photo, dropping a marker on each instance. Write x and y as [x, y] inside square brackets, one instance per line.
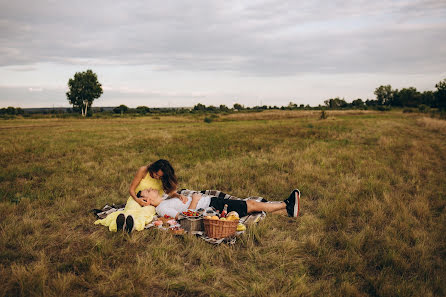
[290, 205]
[255, 206]
[282, 212]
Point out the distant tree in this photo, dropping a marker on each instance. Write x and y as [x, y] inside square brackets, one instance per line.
[370, 102]
[292, 105]
[396, 98]
[142, 109]
[223, 107]
[358, 103]
[20, 111]
[384, 95]
[427, 98]
[200, 106]
[11, 110]
[121, 109]
[440, 95]
[211, 108]
[409, 97]
[84, 88]
[336, 103]
[238, 106]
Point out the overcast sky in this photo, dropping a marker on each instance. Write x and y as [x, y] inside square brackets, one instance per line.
[180, 53]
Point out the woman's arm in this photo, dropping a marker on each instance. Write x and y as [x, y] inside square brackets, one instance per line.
[142, 171]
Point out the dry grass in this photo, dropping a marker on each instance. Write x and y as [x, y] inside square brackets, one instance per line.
[290, 114]
[372, 220]
[433, 124]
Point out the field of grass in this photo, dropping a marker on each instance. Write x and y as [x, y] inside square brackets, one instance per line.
[372, 217]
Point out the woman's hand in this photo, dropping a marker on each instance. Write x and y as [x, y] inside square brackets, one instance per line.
[179, 196]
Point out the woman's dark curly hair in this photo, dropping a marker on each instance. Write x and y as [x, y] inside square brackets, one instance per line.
[169, 178]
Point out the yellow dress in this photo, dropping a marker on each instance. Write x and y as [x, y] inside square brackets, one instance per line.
[141, 215]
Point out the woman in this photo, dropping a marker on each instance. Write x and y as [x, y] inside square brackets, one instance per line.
[137, 213]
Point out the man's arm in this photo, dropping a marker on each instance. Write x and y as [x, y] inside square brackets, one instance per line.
[195, 198]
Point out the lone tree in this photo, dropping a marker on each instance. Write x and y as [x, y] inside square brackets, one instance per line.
[84, 88]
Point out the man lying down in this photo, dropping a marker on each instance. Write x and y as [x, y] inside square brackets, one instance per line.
[174, 206]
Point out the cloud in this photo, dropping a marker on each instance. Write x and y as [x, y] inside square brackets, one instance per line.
[262, 38]
[35, 89]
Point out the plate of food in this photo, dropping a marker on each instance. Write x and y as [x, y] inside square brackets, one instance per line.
[191, 214]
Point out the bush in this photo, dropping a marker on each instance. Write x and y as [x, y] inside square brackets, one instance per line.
[324, 115]
[423, 108]
[121, 109]
[208, 120]
[383, 107]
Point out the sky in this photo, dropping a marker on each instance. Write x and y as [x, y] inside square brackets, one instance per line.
[180, 53]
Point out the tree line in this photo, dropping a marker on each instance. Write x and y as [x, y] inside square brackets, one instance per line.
[386, 97]
[84, 88]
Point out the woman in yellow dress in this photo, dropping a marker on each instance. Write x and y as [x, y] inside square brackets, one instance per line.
[137, 213]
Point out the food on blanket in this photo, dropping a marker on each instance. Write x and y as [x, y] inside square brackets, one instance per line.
[171, 222]
[241, 227]
[165, 219]
[176, 230]
[158, 223]
[233, 213]
[224, 211]
[191, 213]
[232, 216]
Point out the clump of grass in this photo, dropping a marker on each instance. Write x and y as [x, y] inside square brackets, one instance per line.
[433, 124]
[323, 115]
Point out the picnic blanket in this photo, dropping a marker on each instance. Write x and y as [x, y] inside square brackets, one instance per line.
[247, 220]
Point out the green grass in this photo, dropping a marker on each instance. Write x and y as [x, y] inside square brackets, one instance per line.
[372, 212]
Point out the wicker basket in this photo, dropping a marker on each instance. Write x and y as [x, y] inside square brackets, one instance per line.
[192, 224]
[220, 229]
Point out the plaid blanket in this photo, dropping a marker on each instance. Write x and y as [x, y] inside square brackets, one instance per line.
[247, 220]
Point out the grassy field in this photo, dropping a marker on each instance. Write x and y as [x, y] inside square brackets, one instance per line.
[372, 217]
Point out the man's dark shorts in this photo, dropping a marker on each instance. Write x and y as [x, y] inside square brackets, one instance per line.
[239, 206]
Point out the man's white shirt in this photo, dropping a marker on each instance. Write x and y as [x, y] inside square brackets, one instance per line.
[173, 206]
